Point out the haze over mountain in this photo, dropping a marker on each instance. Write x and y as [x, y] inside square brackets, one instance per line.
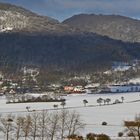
[113, 26]
[29, 39]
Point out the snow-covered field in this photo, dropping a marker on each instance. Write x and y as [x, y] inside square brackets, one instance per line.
[93, 114]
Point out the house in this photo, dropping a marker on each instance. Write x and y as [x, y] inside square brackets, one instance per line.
[78, 89]
[92, 86]
[74, 89]
[124, 88]
[12, 91]
[68, 88]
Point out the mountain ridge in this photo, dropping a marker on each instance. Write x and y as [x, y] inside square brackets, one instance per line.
[19, 19]
[114, 26]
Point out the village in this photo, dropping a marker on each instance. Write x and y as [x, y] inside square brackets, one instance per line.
[28, 89]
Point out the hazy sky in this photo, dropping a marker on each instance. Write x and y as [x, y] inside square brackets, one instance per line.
[62, 9]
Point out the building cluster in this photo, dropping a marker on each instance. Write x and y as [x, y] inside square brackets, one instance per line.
[28, 84]
[97, 88]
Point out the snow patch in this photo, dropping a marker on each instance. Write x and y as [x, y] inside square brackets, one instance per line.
[121, 68]
[134, 80]
[7, 29]
[93, 114]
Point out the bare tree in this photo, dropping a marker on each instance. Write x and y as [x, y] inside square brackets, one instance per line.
[64, 114]
[6, 125]
[34, 126]
[53, 125]
[133, 127]
[108, 100]
[74, 123]
[26, 126]
[104, 100]
[122, 98]
[43, 124]
[63, 103]
[28, 108]
[99, 101]
[85, 102]
[18, 127]
[55, 106]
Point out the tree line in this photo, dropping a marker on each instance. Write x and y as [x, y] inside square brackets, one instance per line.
[58, 125]
[41, 125]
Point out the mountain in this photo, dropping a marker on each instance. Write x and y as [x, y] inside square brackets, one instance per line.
[28, 39]
[15, 19]
[113, 26]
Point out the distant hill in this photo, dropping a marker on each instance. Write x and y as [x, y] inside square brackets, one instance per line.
[64, 52]
[15, 19]
[113, 26]
[29, 39]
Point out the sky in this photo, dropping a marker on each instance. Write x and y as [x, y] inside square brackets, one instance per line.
[62, 9]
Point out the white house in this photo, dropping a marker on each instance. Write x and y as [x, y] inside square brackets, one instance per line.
[124, 88]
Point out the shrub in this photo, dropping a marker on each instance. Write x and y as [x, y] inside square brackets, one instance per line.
[104, 123]
[75, 137]
[91, 136]
[103, 137]
[130, 134]
[120, 134]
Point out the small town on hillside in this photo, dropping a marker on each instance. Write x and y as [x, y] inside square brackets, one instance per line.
[28, 82]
